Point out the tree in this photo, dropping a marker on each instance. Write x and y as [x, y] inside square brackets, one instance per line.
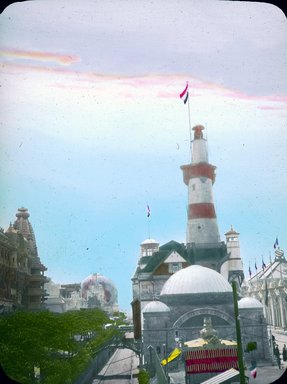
[60, 345]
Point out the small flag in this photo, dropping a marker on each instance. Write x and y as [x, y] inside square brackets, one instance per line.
[250, 271]
[253, 369]
[148, 211]
[276, 243]
[254, 373]
[263, 264]
[184, 94]
[255, 266]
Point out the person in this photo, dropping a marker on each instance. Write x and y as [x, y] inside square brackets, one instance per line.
[284, 353]
[276, 351]
[277, 355]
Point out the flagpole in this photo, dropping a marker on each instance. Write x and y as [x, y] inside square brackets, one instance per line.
[148, 220]
[184, 95]
[148, 227]
[270, 265]
[189, 123]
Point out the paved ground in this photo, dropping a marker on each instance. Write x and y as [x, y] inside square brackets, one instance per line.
[267, 374]
[119, 369]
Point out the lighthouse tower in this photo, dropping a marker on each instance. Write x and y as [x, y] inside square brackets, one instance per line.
[199, 176]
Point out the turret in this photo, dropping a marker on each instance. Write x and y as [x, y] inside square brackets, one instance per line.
[232, 268]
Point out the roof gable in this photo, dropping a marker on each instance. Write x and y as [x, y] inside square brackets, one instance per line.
[163, 254]
[174, 257]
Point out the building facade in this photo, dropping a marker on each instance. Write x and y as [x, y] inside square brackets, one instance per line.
[203, 245]
[269, 286]
[22, 276]
[96, 291]
[176, 286]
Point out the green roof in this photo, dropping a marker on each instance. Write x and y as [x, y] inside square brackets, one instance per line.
[164, 251]
[193, 254]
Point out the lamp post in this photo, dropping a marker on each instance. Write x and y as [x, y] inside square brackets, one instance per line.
[238, 335]
[165, 357]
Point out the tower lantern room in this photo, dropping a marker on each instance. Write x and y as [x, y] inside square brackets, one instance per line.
[148, 247]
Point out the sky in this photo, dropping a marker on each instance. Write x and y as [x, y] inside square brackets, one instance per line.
[93, 129]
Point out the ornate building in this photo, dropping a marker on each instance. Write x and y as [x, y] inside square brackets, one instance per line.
[269, 286]
[96, 291]
[21, 271]
[203, 246]
[176, 286]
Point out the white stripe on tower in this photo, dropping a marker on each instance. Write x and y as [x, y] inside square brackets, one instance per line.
[199, 176]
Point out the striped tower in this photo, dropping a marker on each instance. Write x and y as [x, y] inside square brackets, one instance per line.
[199, 176]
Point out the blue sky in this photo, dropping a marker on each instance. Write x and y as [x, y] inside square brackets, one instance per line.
[93, 130]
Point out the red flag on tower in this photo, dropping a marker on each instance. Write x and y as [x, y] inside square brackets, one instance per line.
[184, 94]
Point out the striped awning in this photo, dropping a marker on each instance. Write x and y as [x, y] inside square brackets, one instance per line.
[222, 377]
[201, 360]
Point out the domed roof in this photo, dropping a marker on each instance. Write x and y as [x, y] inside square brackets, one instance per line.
[249, 302]
[156, 306]
[149, 241]
[231, 232]
[97, 280]
[195, 279]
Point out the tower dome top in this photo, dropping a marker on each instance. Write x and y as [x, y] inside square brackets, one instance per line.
[150, 241]
[249, 302]
[22, 213]
[231, 232]
[156, 307]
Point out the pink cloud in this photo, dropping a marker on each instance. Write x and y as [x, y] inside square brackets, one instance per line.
[271, 108]
[40, 56]
[166, 86]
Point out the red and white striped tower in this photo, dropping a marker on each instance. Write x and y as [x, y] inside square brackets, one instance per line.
[199, 176]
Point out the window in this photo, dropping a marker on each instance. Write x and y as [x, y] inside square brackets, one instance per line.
[174, 267]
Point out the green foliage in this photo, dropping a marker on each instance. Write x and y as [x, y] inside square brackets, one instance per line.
[143, 377]
[251, 346]
[46, 340]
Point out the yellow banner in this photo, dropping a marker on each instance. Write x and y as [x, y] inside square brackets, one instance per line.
[174, 354]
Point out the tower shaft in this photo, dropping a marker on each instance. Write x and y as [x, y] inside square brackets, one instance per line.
[199, 176]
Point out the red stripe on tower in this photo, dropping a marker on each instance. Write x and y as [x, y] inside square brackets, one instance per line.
[198, 170]
[201, 211]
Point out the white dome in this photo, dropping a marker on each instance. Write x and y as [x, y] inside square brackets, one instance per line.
[149, 241]
[195, 279]
[156, 306]
[249, 302]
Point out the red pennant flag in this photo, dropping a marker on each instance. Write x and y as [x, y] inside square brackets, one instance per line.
[184, 94]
